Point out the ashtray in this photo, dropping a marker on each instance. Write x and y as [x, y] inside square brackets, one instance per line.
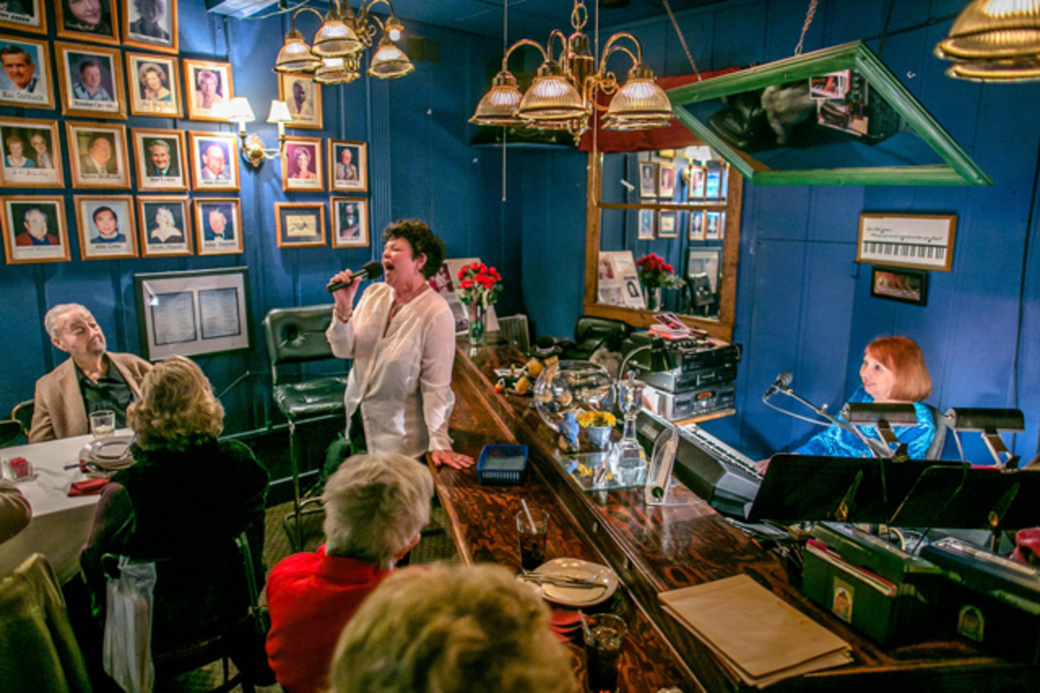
[502, 464]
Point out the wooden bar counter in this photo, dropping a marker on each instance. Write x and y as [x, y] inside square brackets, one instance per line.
[659, 549]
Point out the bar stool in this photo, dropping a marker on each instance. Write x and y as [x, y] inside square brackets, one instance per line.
[297, 335]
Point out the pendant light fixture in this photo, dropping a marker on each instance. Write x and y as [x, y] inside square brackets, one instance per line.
[995, 41]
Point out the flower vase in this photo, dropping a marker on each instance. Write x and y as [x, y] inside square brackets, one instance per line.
[653, 298]
[599, 437]
[477, 324]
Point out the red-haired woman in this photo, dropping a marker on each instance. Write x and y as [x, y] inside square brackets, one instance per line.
[893, 372]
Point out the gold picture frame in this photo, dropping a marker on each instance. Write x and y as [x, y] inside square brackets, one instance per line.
[350, 175]
[306, 113]
[159, 170]
[34, 20]
[139, 32]
[214, 161]
[917, 241]
[213, 236]
[300, 224]
[47, 168]
[153, 83]
[348, 232]
[216, 77]
[19, 230]
[164, 233]
[77, 64]
[298, 174]
[101, 215]
[98, 27]
[90, 168]
[38, 90]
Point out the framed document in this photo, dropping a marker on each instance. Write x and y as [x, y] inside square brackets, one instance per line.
[193, 313]
[919, 241]
[300, 224]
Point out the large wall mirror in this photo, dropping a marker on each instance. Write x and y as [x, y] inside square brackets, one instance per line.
[682, 206]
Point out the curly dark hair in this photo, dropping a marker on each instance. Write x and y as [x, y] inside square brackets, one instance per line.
[422, 240]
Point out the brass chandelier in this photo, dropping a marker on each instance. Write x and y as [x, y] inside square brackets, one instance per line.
[335, 57]
[995, 41]
[562, 95]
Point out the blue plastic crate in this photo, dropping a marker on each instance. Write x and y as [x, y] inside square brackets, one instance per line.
[502, 464]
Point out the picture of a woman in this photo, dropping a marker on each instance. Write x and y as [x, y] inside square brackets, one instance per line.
[88, 16]
[302, 157]
[165, 229]
[16, 157]
[153, 83]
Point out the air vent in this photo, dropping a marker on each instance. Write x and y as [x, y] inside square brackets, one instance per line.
[238, 8]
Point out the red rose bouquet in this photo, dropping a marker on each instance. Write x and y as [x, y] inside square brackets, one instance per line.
[655, 273]
[479, 284]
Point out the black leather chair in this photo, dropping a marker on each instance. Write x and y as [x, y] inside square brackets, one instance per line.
[591, 333]
[296, 336]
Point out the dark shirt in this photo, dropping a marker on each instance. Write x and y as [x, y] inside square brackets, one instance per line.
[118, 238]
[109, 392]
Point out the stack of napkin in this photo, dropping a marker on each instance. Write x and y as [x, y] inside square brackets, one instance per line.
[755, 633]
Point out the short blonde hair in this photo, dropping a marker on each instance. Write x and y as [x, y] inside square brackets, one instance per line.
[177, 407]
[375, 505]
[448, 629]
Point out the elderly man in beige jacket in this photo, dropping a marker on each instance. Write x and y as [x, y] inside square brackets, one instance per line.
[91, 380]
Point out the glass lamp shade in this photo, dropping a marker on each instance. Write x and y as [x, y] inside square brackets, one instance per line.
[389, 61]
[498, 107]
[640, 99]
[335, 38]
[995, 41]
[295, 55]
[279, 113]
[551, 97]
[238, 111]
[337, 71]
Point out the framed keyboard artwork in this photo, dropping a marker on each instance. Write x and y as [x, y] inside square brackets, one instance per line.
[917, 241]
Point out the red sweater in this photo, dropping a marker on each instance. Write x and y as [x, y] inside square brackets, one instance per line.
[311, 596]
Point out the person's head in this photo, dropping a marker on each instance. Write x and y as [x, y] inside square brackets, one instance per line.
[100, 149]
[15, 146]
[90, 74]
[207, 81]
[159, 151]
[106, 221]
[345, 156]
[894, 370]
[375, 507]
[298, 91]
[150, 10]
[451, 628]
[74, 330]
[87, 12]
[151, 76]
[35, 222]
[213, 158]
[39, 143]
[303, 158]
[164, 217]
[177, 407]
[18, 65]
[217, 220]
[409, 247]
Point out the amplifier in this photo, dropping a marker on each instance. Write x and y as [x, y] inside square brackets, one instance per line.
[685, 405]
[683, 354]
[677, 380]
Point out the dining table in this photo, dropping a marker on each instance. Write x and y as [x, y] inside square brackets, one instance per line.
[60, 523]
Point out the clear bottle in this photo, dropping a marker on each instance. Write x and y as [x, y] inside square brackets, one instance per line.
[627, 459]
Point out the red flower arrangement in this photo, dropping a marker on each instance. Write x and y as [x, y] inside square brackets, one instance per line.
[479, 284]
[654, 272]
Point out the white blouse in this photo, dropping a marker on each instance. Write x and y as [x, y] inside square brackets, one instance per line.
[402, 381]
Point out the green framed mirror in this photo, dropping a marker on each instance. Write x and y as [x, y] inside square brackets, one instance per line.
[836, 116]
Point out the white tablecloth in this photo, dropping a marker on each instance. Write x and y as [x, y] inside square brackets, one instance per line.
[60, 524]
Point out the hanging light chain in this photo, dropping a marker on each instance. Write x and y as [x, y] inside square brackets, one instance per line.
[682, 39]
[805, 27]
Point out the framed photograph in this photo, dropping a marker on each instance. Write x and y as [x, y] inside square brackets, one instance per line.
[193, 313]
[27, 15]
[923, 241]
[303, 95]
[696, 225]
[898, 284]
[647, 179]
[301, 164]
[206, 85]
[349, 222]
[165, 224]
[91, 81]
[300, 224]
[218, 226]
[32, 154]
[154, 84]
[107, 229]
[26, 78]
[695, 182]
[97, 155]
[348, 165]
[34, 230]
[668, 224]
[88, 20]
[214, 160]
[707, 261]
[713, 222]
[150, 24]
[647, 217]
[713, 181]
[160, 159]
[666, 181]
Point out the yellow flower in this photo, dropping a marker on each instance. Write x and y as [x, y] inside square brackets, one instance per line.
[596, 418]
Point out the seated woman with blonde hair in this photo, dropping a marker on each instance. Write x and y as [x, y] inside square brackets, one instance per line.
[893, 372]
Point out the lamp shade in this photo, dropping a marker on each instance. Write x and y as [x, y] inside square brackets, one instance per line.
[279, 113]
[339, 70]
[295, 55]
[389, 61]
[498, 107]
[335, 38]
[551, 96]
[995, 41]
[640, 98]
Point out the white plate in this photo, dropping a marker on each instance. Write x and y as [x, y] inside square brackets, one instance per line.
[109, 453]
[606, 583]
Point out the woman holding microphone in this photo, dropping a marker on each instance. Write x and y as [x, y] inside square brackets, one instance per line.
[401, 336]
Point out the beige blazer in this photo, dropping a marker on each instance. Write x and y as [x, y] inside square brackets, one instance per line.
[59, 412]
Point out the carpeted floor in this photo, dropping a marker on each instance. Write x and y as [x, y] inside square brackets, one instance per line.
[436, 545]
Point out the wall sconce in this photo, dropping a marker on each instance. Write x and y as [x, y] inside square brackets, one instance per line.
[695, 156]
[240, 112]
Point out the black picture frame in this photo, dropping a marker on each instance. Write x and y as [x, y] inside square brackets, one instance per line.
[899, 284]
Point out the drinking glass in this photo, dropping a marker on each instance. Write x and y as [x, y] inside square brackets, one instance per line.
[102, 423]
[532, 531]
[604, 636]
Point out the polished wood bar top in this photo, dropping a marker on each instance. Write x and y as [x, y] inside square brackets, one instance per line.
[655, 549]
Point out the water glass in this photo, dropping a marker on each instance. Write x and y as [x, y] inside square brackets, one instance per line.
[604, 636]
[532, 530]
[102, 423]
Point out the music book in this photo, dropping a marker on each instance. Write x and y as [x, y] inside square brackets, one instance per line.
[757, 635]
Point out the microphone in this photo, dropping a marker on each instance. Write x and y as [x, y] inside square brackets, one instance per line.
[372, 270]
[779, 385]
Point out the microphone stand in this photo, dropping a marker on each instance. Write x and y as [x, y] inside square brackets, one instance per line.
[879, 450]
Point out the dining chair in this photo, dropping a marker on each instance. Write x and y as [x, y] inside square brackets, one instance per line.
[23, 414]
[10, 433]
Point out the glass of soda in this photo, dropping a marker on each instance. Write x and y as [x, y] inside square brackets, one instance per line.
[604, 637]
[532, 528]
